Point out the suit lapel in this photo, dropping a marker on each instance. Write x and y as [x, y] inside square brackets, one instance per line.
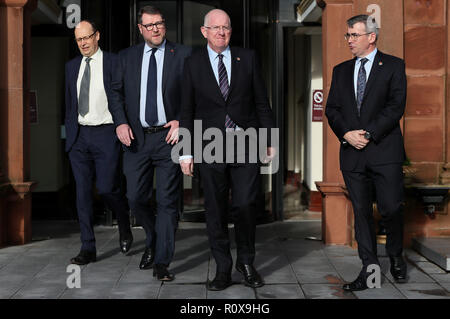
[76, 71]
[376, 67]
[169, 56]
[235, 59]
[137, 68]
[350, 76]
[106, 71]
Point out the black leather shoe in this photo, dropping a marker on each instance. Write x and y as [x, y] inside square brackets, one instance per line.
[251, 276]
[220, 282]
[84, 257]
[398, 268]
[161, 273]
[359, 284]
[125, 241]
[147, 259]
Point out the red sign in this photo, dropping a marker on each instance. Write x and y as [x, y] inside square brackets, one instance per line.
[317, 106]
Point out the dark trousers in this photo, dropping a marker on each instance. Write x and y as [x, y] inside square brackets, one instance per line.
[244, 182]
[139, 168]
[388, 183]
[95, 156]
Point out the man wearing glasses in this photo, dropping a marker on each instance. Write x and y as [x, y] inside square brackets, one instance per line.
[223, 87]
[365, 104]
[147, 89]
[93, 147]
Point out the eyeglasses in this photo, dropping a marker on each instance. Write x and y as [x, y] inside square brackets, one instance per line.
[354, 36]
[85, 38]
[216, 28]
[158, 25]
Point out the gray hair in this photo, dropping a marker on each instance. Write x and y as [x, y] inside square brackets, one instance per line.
[369, 22]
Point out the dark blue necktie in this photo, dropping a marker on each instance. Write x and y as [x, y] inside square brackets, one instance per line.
[361, 85]
[151, 111]
[224, 88]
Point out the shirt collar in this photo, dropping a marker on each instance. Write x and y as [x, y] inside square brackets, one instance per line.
[97, 55]
[161, 47]
[213, 54]
[370, 56]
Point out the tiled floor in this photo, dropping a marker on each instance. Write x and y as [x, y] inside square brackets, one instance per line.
[292, 266]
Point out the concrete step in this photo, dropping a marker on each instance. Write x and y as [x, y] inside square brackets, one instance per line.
[435, 249]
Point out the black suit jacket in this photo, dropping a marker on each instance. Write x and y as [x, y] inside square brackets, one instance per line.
[126, 86]
[382, 107]
[72, 70]
[247, 103]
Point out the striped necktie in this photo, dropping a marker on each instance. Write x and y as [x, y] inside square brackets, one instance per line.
[224, 88]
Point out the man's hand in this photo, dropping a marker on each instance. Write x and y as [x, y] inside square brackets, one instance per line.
[187, 166]
[125, 134]
[270, 154]
[356, 139]
[172, 136]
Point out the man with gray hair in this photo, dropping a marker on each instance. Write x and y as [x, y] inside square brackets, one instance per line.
[222, 86]
[365, 104]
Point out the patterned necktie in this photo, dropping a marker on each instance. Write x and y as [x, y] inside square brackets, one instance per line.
[224, 88]
[83, 99]
[151, 111]
[361, 85]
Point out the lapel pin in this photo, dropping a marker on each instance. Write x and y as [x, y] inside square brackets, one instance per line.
[380, 63]
[171, 50]
[238, 58]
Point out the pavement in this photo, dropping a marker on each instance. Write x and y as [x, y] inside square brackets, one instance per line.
[293, 267]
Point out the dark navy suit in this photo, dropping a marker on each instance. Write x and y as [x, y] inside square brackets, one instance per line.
[149, 153]
[94, 153]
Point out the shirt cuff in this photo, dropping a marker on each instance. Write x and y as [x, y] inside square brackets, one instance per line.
[183, 157]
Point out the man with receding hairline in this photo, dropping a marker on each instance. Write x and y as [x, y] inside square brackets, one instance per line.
[93, 148]
[222, 86]
[366, 102]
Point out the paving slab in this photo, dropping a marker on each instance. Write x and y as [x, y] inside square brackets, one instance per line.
[277, 291]
[180, 291]
[387, 291]
[423, 291]
[327, 291]
[39, 289]
[135, 291]
[316, 270]
[235, 291]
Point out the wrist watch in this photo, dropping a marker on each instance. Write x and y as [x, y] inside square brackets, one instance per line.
[367, 136]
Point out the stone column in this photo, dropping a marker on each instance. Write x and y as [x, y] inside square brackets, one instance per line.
[335, 50]
[15, 196]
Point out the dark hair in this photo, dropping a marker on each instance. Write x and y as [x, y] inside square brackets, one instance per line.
[149, 10]
[369, 22]
[92, 23]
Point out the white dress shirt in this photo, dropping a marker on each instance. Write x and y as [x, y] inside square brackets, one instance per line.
[98, 102]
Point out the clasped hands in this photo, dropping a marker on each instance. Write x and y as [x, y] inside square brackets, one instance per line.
[356, 139]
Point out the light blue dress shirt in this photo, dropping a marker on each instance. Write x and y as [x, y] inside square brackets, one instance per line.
[159, 56]
[214, 59]
[367, 66]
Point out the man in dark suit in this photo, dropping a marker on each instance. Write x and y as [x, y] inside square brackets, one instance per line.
[223, 88]
[93, 147]
[147, 96]
[365, 104]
